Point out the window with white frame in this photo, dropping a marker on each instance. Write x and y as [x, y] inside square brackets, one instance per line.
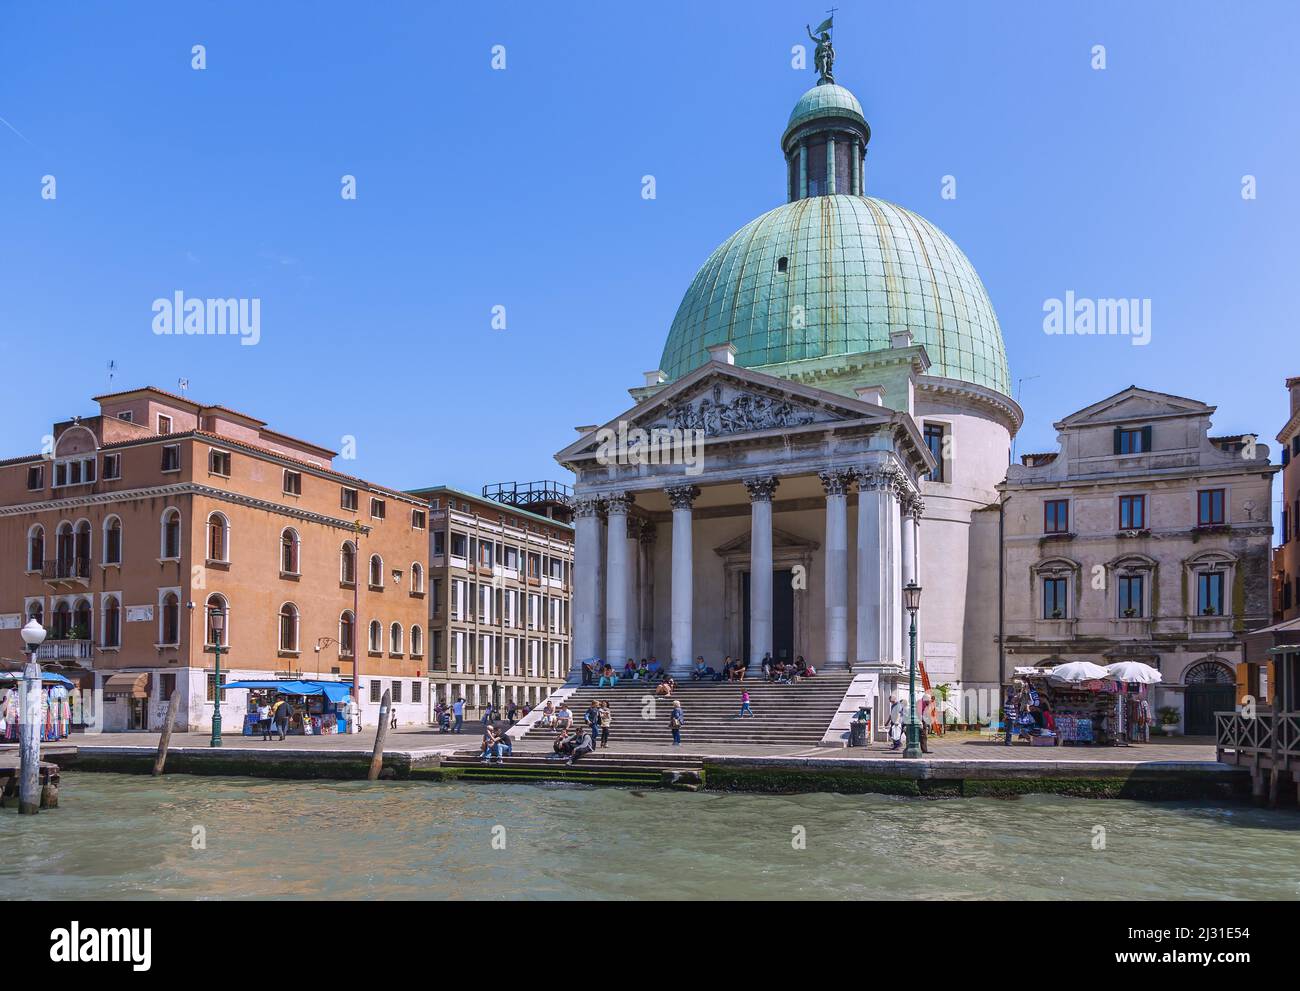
[417, 578]
[111, 624]
[289, 551]
[112, 540]
[376, 637]
[171, 535]
[289, 628]
[218, 537]
[417, 644]
[395, 638]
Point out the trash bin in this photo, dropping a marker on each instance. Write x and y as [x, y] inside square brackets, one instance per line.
[857, 733]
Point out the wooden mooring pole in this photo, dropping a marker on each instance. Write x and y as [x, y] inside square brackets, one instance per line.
[29, 735]
[165, 740]
[377, 757]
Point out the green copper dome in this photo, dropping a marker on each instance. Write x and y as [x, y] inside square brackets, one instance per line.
[834, 275]
[825, 100]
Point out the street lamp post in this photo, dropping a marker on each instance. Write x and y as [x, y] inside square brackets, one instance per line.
[217, 623]
[29, 781]
[912, 601]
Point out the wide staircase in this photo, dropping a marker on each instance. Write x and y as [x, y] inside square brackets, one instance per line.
[600, 768]
[785, 716]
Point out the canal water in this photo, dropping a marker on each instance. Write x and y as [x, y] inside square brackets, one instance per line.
[183, 836]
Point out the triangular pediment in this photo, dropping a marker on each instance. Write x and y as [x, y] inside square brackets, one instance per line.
[781, 540]
[1133, 404]
[723, 400]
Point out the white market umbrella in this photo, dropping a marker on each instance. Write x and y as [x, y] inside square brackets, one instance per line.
[1134, 671]
[1076, 671]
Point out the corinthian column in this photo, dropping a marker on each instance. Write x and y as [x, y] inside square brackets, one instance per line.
[682, 497]
[586, 553]
[616, 578]
[879, 574]
[836, 484]
[646, 644]
[760, 568]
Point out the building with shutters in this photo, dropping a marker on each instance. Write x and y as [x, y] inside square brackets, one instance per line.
[1143, 538]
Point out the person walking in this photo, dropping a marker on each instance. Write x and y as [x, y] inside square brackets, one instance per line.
[1009, 715]
[927, 716]
[895, 723]
[606, 718]
[675, 720]
[458, 711]
[283, 710]
[745, 710]
[264, 720]
[592, 718]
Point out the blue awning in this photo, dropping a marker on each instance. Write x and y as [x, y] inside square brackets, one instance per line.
[48, 677]
[334, 691]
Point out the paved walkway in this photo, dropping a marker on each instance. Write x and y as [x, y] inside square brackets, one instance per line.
[960, 747]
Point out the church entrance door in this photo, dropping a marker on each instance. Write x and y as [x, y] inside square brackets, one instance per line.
[782, 614]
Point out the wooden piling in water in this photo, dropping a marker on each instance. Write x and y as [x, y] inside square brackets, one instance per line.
[165, 740]
[377, 757]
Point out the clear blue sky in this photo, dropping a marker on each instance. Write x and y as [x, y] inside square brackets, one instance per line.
[521, 188]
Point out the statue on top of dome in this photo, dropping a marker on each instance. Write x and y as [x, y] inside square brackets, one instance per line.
[824, 55]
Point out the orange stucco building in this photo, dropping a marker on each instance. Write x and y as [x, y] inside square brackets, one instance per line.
[137, 522]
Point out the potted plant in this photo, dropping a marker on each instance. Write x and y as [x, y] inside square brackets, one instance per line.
[1130, 612]
[1057, 614]
[1169, 719]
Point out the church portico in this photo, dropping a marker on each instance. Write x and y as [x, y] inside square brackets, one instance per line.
[751, 551]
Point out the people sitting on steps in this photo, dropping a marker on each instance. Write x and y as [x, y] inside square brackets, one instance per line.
[608, 679]
[665, 688]
[630, 670]
[702, 672]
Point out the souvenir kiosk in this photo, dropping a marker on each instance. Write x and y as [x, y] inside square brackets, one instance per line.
[320, 708]
[1081, 703]
[56, 710]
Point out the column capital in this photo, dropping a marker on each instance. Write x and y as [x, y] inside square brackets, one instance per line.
[586, 508]
[836, 481]
[914, 506]
[886, 478]
[762, 489]
[618, 503]
[682, 496]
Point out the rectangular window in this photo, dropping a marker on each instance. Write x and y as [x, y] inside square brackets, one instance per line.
[212, 686]
[397, 692]
[459, 543]
[377, 509]
[292, 482]
[417, 519]
[1132, 512]
[36, 477]
[416, 692]
[934, 441]
[439, 543]
[112, 466]
[435, 503]
[165, 427]
[128, 416]
[1056, 516]
[166, 686]
[1130, 596]
[171, 457]
[1132, 440]
[1209, 511]
[348, 499]
[1054, 590]
[437, 596]
[375, 690]
[1209, 593]
[219, 463]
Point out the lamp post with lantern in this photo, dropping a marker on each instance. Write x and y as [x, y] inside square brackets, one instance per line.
[217, 625]
[912, 602]
[29, 726]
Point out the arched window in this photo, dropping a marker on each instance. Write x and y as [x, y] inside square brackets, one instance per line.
[171, 535]
[36, 611]
[112, 627]
[417, 577]
[417, 642]
[218, 538]
[216, 603]
[112, 540]
[36, 548]
[347, 630]
[65, 549]
[82, 549]
[62, 624]
[348, 563]
[289, 551]
[169, 619]
[1209, 673]
[376, 636]
[289, 627]
[395, 638]
[81, 614]
[376, 571]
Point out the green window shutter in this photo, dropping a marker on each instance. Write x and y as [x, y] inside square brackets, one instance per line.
[1146, 438]
[1118, 431]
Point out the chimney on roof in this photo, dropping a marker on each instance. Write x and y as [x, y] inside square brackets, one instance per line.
[655, 377]
[874, 394]
[1293, 384]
